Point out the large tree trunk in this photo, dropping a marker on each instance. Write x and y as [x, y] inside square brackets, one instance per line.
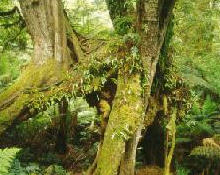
[48, 27]
[123, 121]
[118, 152]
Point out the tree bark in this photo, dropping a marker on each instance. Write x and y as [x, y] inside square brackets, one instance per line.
[48, 27]
[46, 24]
[123, 121]
[127, 166]
[118, 154]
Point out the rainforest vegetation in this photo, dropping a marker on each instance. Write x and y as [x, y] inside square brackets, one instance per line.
[109, 87]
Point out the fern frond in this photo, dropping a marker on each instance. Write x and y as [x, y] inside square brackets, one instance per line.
[209, 152]
[7, 156]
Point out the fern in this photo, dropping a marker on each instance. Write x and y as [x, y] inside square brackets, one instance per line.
[216, 138]
[7, 157]
[209, 106]
[206, 151]
[210, 148]
[196, 109]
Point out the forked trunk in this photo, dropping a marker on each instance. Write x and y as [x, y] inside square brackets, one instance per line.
[118, 152]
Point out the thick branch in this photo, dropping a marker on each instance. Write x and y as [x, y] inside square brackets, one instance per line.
[30, 87]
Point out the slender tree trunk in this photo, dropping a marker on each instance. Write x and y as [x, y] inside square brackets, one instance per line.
[61, 145]
[127, 166]
[171, 130]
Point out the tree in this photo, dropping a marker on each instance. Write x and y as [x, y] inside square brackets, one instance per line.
[141, 24]
[131, 100]
[47, 26]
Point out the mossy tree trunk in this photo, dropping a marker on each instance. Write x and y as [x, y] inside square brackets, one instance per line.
[48, 28]
[118, 152]
[171, 131]
[123, 121]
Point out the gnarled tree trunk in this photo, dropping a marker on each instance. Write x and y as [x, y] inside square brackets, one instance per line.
[48, 27]
[118, 152]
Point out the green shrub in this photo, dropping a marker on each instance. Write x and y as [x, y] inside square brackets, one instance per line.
[55, 170]
[122, 25]
[182, 170]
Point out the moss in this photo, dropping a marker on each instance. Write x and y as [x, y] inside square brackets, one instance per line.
[126, 116]
[13, 100]
[7, 115]
[34, 76]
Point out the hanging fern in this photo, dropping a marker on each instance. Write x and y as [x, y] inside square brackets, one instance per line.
[7, 156]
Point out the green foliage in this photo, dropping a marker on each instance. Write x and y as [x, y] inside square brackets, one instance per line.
[13, 35]
[197, 50]
[86, 117]
[55, 170]
[196, 124]
[9, 68]
[33, 127]
[89, 18]
[86, 114]
[11, 165]
[132, 38]
[206, 151]
[11, 63]
[31, 168]
[209, 106]
[180, 170]
[196, 109]
[203, 108]
[122, 25]
[195, 128]
[7, 156]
